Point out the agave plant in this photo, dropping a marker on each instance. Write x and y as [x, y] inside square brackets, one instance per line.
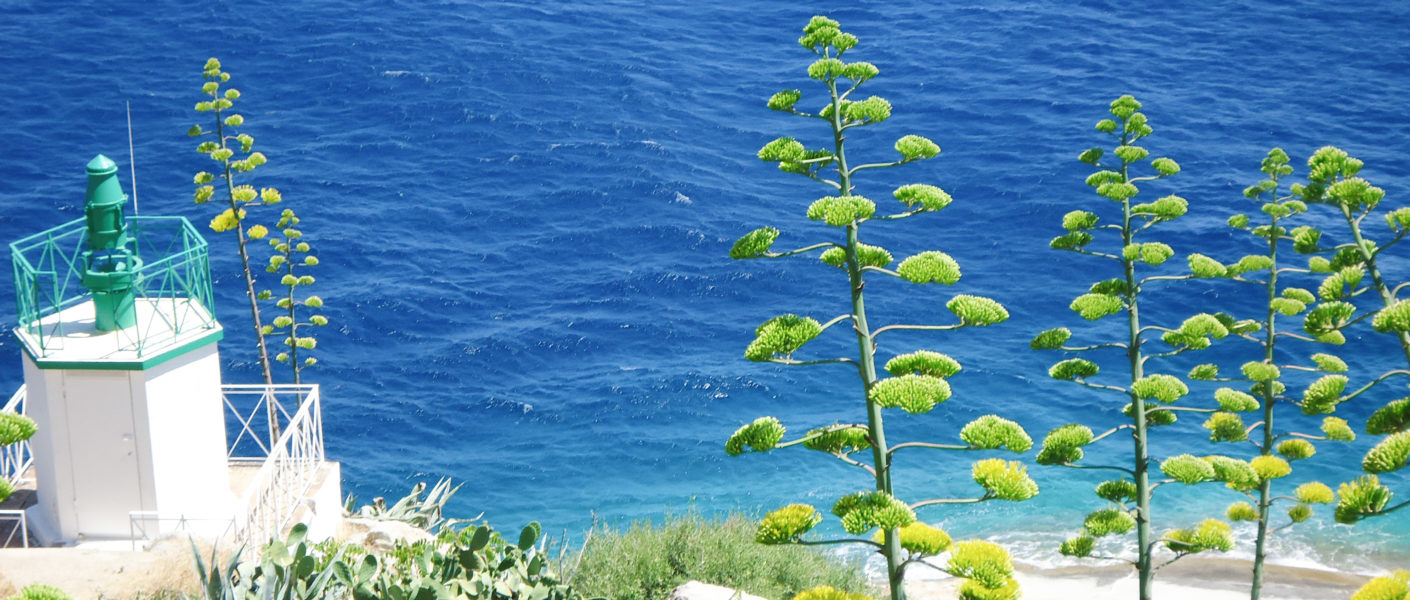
[1353, 270]
[918, 381]
[1150, 396]
[234, 154]
[292, 254]
[1277, 445]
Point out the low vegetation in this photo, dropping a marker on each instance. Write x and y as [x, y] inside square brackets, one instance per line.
[646, 561]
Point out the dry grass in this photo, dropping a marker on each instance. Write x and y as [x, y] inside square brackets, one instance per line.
[167, 570]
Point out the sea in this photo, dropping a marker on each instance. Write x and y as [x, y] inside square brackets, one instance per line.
[523, 213]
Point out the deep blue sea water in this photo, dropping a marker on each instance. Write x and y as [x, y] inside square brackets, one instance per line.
[523, 213]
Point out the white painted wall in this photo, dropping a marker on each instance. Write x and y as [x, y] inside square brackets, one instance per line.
[113, 442]
[186, 418]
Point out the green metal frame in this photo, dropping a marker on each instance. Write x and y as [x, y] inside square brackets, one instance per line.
[176, 269]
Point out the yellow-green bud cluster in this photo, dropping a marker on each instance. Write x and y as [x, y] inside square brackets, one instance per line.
[930, 267]
[862, 511]
[760, 436]
[781, 336]
[1391, 454]
[1096, 306]
[1063, 445]
[1108, 521]
[1051, 339]
[15, 428]
[919, 538]
[923, 362]
[977, 310]
[991, 432]
[1225, 427]
[840, 211]
[867, 256]
[1336, 430]
[915, 394]
[1323, 395]
[1163, 388]
[1212, 534]
[754, 244]
[1391, 418]
[985, 563]
[1361, 498]
[1005, 480]
[1187, 469]
[787, 524]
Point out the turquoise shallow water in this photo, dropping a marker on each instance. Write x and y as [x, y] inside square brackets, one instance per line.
[523, 212]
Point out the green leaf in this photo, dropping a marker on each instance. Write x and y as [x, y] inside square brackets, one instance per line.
[754, 244]
[781, 336]
[930, 267]
[928, 197]
[923, 362]
[1096, 306]
[760, 436]
[840, 211]
[915, 394]
[977, 311]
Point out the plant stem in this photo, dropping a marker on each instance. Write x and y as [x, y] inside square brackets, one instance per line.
[1265, 489]
[891, 547]
[271, 405]
[1138, 405]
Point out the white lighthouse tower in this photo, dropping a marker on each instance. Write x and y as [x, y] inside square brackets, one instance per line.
[122, 375]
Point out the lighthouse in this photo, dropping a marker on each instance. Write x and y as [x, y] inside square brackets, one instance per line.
[122, 374]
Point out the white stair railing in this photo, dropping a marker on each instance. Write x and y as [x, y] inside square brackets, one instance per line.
[289, 468]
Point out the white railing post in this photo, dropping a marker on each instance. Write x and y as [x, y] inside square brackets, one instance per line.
[16, 459]
[289, 467]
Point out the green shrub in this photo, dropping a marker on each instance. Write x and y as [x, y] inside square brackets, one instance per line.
[647, 561]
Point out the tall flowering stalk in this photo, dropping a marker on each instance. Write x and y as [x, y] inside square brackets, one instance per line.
[1149, 396]
[918, 380]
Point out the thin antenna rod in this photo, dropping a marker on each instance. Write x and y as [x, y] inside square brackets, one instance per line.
[132, 160]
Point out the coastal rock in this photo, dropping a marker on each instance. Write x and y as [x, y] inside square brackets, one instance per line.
[695, 590]
[379, 536]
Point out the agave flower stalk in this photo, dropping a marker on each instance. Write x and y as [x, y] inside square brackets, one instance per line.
[224, 148]
[291, 255]
[1150, 395]
[918, 380]
[1276, 449]
[1333, 181]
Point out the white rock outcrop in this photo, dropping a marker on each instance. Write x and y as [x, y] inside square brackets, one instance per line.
[695, 590]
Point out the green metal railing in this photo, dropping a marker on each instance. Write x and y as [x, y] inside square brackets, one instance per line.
[172, 278]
